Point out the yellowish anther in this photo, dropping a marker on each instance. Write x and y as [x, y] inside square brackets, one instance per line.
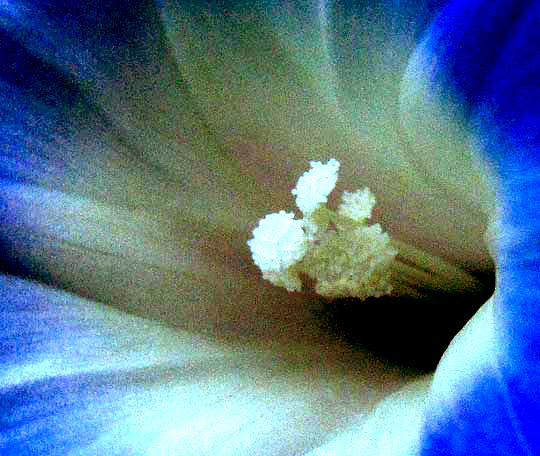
[352, 261]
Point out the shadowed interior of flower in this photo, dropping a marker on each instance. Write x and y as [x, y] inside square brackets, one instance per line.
[152, 151]
[338, 255]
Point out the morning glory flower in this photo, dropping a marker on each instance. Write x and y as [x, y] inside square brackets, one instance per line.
[141, 145]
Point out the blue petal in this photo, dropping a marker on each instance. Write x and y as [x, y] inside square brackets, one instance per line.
[485, 53]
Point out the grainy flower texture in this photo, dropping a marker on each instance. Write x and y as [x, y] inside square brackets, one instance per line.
[174, 284]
